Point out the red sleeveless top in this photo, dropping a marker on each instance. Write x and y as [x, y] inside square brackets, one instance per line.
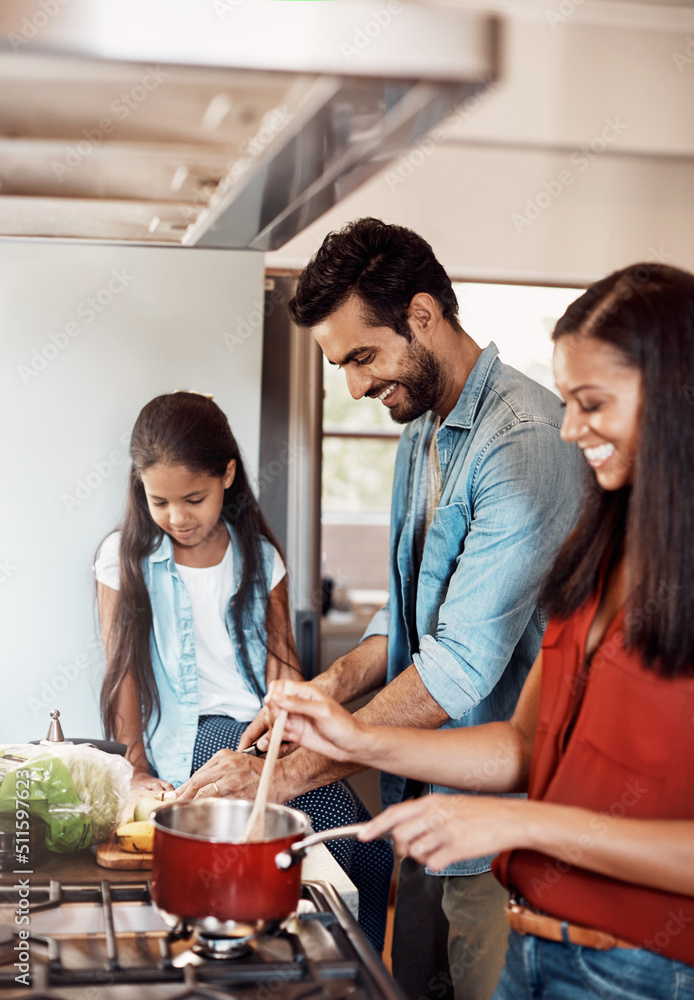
[630, 753]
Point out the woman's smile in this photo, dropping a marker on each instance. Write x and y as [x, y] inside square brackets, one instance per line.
[599, 455]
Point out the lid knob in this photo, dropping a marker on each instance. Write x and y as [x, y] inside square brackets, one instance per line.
[55, 730]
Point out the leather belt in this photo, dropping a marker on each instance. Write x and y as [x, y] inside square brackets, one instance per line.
[525, 920]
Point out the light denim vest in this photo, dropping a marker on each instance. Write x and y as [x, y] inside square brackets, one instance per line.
[170, 744]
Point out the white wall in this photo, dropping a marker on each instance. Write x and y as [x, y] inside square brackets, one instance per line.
[66, 421]
[602, 98]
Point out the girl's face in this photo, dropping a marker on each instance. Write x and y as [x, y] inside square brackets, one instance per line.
[602, 395]
[186, 505]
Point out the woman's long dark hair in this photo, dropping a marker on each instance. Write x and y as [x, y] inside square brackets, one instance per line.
[645, 312]
[188, 429]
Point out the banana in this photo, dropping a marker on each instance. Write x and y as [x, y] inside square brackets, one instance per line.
[136, 838]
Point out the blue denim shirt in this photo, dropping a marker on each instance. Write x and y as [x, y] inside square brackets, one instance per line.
[172, 647]
[467, 616]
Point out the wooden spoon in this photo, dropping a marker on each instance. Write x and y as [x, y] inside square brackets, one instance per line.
[255, 826]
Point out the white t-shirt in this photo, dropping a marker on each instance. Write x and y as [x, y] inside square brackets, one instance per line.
[221, 689]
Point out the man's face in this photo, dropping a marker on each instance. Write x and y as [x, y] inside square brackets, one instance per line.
[407, 377]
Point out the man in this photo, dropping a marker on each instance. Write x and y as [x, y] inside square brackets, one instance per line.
[484, 493]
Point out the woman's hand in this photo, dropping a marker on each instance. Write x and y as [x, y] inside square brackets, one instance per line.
[225, 773]
[143, 783]
[316, 721]
[437, 830]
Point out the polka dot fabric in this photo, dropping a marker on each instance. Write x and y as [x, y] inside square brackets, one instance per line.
[369, 866]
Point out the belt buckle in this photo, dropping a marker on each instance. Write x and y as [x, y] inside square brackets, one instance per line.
[516, 914]
[517, 903]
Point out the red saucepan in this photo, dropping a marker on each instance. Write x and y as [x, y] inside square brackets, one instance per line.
[204, 878]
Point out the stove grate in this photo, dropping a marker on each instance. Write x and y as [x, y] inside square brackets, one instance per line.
[319, 955]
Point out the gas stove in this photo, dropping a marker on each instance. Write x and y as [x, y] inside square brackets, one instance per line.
[76, 942]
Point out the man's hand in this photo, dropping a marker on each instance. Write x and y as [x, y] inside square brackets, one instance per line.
[258, 732]
[226, 773]
[255, 730]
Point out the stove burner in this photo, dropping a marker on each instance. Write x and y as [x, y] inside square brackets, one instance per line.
[226, 947]
[318, 953]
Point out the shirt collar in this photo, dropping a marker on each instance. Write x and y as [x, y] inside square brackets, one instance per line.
[163, 551]
[463, 413]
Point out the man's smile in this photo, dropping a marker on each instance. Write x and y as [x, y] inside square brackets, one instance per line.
[387, 392]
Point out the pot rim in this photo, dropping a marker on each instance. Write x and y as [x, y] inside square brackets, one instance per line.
[304, 821]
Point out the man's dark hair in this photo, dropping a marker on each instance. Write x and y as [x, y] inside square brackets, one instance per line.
[384, 265]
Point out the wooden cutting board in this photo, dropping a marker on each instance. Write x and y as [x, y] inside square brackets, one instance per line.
[109, 855]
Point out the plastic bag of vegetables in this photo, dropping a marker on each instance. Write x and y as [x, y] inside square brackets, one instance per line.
[78, 791]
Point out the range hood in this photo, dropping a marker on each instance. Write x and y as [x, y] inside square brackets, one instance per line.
[217, 123]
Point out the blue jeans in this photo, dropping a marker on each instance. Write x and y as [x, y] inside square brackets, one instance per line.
[546, 970]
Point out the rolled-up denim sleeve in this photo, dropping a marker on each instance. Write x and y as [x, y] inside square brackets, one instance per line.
[522, 504]
[378, 624]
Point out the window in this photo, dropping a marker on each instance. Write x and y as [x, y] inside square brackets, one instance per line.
[359, 442]
[519, 319]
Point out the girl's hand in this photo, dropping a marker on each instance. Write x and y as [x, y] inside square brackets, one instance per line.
[316, 721]
[437, 830]
[142, 782]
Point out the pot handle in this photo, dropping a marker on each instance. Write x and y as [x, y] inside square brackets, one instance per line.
[288, 858]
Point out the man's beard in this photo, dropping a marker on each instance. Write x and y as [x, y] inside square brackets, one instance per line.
[423, 379]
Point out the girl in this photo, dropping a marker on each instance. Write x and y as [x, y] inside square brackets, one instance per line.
[600, 857]
[195, 620]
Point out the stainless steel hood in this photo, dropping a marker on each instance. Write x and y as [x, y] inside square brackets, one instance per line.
[228, 123]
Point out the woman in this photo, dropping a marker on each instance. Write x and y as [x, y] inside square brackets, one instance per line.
[600, 856]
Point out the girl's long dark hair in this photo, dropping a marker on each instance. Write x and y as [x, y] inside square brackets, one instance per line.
[182, 428]
[645, 312]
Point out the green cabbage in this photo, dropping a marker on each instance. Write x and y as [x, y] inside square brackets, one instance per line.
[78, 792]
